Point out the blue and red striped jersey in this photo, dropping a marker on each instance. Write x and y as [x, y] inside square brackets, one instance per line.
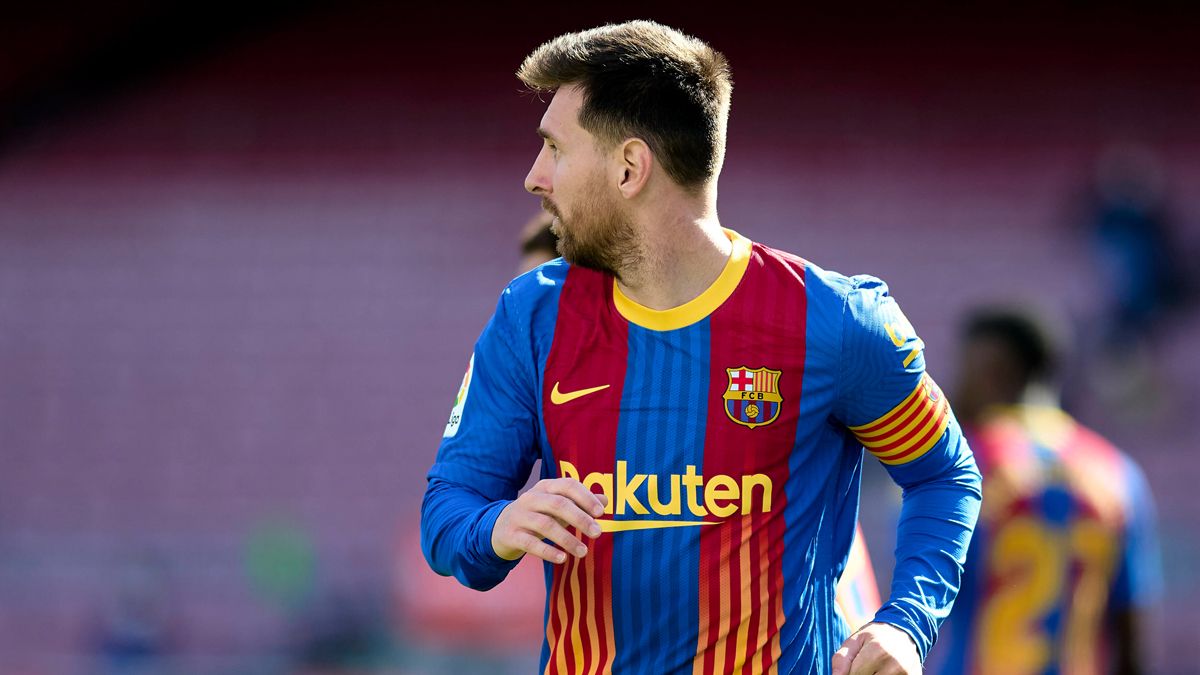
[728, 434]
[1066, 538]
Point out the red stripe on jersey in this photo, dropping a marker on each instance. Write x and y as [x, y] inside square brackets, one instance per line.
[741, 579]
[590, 349]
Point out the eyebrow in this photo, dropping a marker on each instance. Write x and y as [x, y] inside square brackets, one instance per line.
[546, 135]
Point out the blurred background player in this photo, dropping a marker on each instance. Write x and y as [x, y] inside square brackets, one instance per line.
[1143, 282]
[1065, 557]
[538, 243]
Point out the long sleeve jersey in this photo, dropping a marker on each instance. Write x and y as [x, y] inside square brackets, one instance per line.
[728, 434]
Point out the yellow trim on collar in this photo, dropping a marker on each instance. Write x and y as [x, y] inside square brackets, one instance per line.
[702, 305]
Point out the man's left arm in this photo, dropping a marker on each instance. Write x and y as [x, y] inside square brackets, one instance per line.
[902, 418]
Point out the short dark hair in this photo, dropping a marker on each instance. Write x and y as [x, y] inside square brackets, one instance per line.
[641, 79]
[1026, 337]
[538, 236]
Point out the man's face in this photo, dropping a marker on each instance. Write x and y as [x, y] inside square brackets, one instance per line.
[575, 178]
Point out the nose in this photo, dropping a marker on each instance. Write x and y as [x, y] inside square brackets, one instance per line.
[537, 181]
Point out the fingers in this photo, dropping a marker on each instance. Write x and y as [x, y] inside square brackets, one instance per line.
[873, 660]
[547, 527]
[841, 662]
[843, 658]
[565, 512]
[877, 649]
[546, 512]
[576, 492]
[540, 549]
[519, 531]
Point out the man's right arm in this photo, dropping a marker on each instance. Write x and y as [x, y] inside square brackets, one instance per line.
[487, 450]
[479, 542]
[473, 525]
[456, 531]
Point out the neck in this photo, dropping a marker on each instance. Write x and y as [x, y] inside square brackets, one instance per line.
[1041, 395]
[1035, 395]
[683, 251]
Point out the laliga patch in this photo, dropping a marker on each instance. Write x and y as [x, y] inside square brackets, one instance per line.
[460, 401]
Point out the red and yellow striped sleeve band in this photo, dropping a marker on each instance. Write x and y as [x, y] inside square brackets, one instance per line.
[909, 430]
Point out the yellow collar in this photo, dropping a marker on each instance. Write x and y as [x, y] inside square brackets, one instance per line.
[699, 307]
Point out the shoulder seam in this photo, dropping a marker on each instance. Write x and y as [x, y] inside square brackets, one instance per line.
[837, 382]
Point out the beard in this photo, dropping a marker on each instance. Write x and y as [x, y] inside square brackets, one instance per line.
[596, 234]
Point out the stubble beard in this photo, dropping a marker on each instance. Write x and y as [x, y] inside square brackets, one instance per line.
[597, 234]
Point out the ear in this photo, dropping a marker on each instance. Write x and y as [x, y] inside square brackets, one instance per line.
[635, 162]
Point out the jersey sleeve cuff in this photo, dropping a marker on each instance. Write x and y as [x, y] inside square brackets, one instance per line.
[482, 563]
[895, 614]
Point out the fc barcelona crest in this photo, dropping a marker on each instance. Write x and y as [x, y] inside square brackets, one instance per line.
[752, 398]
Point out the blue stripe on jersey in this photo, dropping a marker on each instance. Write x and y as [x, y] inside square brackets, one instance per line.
[656, 611]
[820, 454]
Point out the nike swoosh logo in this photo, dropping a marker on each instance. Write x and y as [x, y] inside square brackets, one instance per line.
[558, 398]
[626, 525]
[897, 340]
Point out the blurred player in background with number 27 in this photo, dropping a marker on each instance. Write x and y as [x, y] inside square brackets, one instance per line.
[1066, 559]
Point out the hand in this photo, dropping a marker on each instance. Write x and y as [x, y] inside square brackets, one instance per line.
[878, 648]
[545, 512]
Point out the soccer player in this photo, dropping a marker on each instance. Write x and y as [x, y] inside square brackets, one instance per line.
[1065, 559]
[857, 592]
[700, 403]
